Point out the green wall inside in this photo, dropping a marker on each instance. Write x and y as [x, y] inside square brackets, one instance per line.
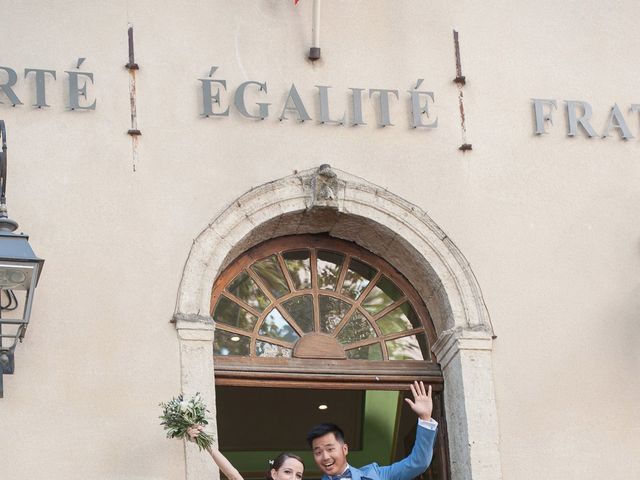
[380, 411]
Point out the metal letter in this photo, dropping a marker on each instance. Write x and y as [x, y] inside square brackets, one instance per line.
[242, 108]
[541, 117]
[207, 96]
[620, 123]
[583, 119]
[357, 106]
[76, 91]
[384, 104]
[418, 110]
[324, 106]
[12, 78]
[634, 108]
[297, 107]
[41, 100]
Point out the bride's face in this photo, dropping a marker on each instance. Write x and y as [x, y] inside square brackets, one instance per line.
[291, 469]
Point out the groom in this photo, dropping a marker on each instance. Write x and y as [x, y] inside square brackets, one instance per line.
[330, 450]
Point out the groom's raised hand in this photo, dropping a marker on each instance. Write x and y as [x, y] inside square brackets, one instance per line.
[422, 403]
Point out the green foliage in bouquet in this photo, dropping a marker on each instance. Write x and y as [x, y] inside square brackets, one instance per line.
[180, 414]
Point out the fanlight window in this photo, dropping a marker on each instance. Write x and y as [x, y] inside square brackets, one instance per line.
[317, 297]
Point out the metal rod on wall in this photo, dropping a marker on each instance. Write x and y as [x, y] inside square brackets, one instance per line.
[314, 51]
[460, 81]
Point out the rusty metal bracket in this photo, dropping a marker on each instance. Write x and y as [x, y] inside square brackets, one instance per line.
[460, 81]
[132, 65]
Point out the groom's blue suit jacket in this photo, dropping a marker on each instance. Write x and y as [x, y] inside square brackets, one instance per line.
[406, 469]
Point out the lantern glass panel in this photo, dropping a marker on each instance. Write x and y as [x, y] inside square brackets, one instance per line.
[16, 276]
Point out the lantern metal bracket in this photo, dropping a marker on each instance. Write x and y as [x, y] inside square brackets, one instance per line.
[3, 162]
[7, 365]
[6, 223]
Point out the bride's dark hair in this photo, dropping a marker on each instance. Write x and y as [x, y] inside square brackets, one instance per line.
[277, 462]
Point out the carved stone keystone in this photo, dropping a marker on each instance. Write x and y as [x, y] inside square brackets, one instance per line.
[324, 187]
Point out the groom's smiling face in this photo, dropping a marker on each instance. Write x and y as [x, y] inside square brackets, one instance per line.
[330, 454]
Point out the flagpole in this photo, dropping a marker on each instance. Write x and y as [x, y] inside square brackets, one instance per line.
[314, 51]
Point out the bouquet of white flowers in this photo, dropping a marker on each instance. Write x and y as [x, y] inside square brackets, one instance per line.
[180, 414]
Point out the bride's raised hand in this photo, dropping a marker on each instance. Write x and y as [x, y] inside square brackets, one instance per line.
[194, 430]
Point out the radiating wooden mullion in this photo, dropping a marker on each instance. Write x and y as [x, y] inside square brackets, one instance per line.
[273, 301]
[372, 322]
[275, 341]
[385, 352]
[370, 341]
[285, 271]
[246, 306]
[404, 333]
[343, 272]
[232, 329]
[256, 278]
[287, 316]
[313, 258]
[366, 314]
[251, 334]
[390, 308]
[369, 287]
[361, 343]
[314, 288]
[345, 319]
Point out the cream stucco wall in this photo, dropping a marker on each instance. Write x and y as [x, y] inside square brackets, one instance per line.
[549, 224]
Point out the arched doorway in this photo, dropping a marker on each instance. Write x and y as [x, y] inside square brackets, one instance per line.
[347, 207]
[298, 315]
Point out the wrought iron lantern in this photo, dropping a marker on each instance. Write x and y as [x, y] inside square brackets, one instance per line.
[19, 272]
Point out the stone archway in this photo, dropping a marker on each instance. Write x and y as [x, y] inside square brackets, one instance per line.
[350, 208]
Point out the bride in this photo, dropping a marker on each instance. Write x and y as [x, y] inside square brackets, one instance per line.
[286, 466]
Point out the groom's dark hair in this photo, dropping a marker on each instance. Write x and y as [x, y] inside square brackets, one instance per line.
[322, 429]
